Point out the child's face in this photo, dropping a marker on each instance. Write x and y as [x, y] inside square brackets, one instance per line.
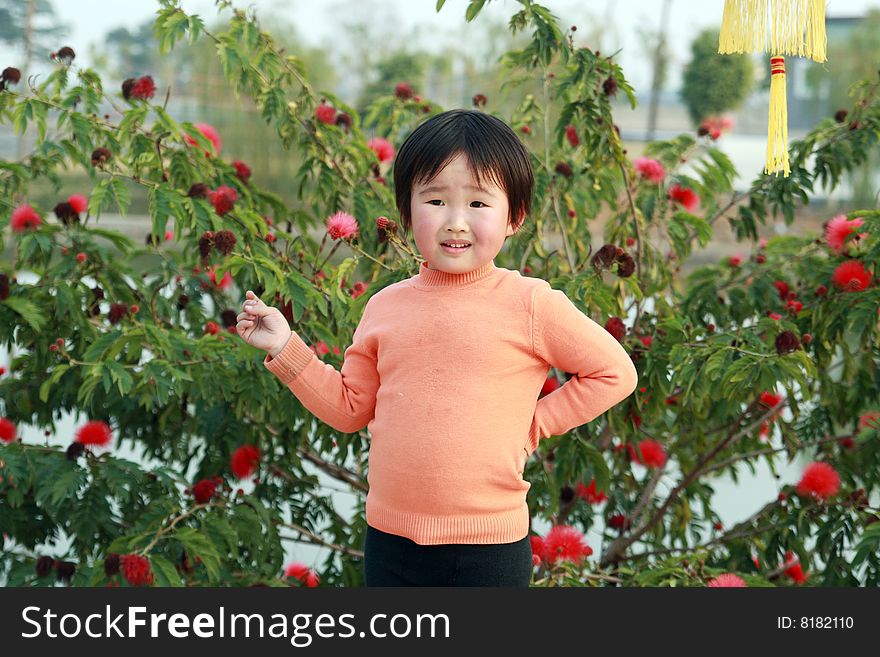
[451, 207]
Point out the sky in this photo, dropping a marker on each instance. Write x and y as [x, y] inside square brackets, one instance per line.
[317, 22]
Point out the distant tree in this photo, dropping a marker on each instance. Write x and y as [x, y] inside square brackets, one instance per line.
[133, 52]
[714, 83]
[45, 29]
[851, 58]
[400, 66]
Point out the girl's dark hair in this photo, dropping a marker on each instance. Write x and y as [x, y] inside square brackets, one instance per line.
[492, 149]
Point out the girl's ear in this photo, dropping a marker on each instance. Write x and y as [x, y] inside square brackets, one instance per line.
[513, 229]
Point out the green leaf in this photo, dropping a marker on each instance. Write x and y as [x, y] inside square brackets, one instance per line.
[198, 545]
[473, 9]
[29, 312]
[57, 373]
[164, 571]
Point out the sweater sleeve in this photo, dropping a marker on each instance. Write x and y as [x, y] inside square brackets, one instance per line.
[346, 398]
[565, 338]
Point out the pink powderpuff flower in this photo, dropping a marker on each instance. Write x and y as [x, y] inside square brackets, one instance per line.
[685, 196]
[95, 432]
[565, 543]
[342, 225]
[851, 276]
[650, 169]
[839, 228]
[727, 580]
[382, 147]
[24, 217]
[78, 202]
[819, 480]
[210, 134]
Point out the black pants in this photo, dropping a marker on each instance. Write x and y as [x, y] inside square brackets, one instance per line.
[391, 560]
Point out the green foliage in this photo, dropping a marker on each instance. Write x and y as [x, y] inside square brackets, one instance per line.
[713, 83]
[186, 396]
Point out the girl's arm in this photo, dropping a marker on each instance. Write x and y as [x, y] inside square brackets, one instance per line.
[565, 338]
[345, 399]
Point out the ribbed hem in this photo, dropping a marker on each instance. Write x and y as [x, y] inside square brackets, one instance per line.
[507, 527]
[430, 278]
[291, 360]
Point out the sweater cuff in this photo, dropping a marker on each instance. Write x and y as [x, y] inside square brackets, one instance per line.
[291, 360]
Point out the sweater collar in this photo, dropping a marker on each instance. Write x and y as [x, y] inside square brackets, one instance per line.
[431, 278]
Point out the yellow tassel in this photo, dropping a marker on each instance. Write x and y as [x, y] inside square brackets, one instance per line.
[797, 27]
[777, 124]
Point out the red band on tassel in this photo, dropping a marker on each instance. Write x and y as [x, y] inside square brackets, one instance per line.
[777, 65]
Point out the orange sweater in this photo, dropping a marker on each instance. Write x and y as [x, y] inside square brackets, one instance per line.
[445, 370]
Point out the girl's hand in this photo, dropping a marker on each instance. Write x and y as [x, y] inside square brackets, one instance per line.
[262, 326]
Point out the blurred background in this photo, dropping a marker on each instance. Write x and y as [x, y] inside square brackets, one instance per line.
[360, 49]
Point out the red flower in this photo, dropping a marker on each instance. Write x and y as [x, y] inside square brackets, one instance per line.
[618, 521]
[565, 543]
[572, 135]
[212, 327]
[136, 569]
[303, 573]
[244, 461]
[225, 282]
[819, 480]
[793, 569]
[770, 399]
[871, 420]
[734, 261]
[7, 430]
[649, 169]
[537, 549]
[782, 286]
[685, 196]
[210, 134]
[589, 493]
[551, 384]
[78, 202]
[143, 88]
[615, 327]
[851, 276]
[382, 147]
[95, 432]
[204, 490]
[23, 217]
[653, 455]
[325, 113]
[242, 170]
[403, 91]
[223, 199]
[727, 580]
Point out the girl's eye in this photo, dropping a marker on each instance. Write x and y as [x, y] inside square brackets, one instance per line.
[436, 200]
[481, 203]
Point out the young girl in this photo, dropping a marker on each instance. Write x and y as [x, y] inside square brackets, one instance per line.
[445, 367]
